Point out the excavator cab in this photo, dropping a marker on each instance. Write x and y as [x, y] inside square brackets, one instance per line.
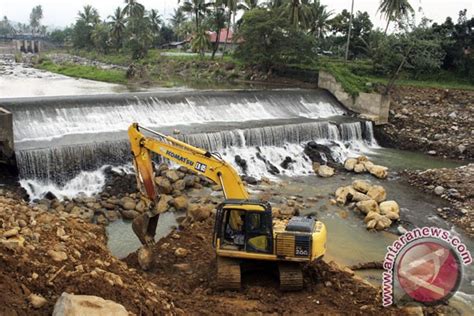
[244, 225]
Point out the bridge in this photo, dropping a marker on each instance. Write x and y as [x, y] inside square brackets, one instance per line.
[26, 43]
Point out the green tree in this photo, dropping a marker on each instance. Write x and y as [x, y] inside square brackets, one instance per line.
[270, 40]
[394, 10]
[248, 5]
[118, 25]
[155, 24]
[200, 42]
[36, 16]
[299, 12]
[177, 21]
[139, 36]
[61, 37]
[199, 8]
[218, 19]
[5, 27]
[85, 23]
[134, 9]
[320, 17]
[100, 37]
[89, 15]
[232, 7]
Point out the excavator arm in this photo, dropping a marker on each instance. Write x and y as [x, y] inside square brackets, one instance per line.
[201, 161]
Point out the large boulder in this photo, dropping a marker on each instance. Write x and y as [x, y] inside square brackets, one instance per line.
[164, 185]
[172, 175]
[78, 305]
[325, 171]
[179, 185]
[368, 206]
[128, 203]
[344, 194]
[163, 204]
[189, 180]
[379, 171]
[350, 163]
[377, 221]
[200, 212]
[357, 197]
[319, 153]
[361, 185]
[180, 203]
[390, 209]
[378, 193]
[359, 168]
[145, 258]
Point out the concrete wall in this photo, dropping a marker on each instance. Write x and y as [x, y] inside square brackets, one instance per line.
[372, 106]
[7, 152]
[28, 46]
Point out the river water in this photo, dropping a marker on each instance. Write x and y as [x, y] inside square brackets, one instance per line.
[67, 130]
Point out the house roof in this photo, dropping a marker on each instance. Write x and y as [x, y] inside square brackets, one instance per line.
[222, 36]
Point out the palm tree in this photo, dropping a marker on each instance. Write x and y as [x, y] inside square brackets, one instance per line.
[90, 16]
[200, 42]
[134, 9]
[197, 7]
[155, 19]
[321, 16]
[248, 5]
[176, 20]
[394, 10]
[232, 6]
[118, 26]
[299, 12]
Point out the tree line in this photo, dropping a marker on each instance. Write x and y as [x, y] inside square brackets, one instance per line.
[280, 32]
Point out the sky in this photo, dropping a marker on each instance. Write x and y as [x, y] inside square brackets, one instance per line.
[59, 13]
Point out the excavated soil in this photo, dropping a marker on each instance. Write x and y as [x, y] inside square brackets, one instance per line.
[191, 281]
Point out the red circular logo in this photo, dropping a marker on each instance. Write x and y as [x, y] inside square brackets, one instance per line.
[429, 271]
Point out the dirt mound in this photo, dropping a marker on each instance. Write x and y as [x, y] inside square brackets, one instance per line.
[191, 281]
[435, 121]
[51, 253]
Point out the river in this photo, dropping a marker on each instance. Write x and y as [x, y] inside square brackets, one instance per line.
[66, 130]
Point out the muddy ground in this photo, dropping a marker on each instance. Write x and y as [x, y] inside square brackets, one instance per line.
[435, 121]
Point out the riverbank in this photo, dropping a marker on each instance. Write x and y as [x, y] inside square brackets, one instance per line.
[44, 253]
[454, 185]
[437, 122]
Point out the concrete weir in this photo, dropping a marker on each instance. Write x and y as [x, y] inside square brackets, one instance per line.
[371, 106]
[7, 152]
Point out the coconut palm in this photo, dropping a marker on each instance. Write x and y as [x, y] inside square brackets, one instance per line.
[197, 7]
[155, 19]
[117, 23]
[177, 20]
[394, 10]
[298, 11]
[200, 42]
[320, 17]
[134, 9]
[89, 15]
[232, 6]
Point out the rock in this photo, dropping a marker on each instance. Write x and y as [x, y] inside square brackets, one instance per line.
[287, 162]
[128, 203]
[70, 304]
[145, 258]
[383, 222]
[389, 207]
[200, 212]
[241, 162]
[179, 185]
[129, 214]
[377, 221]
[368, 206]
[361, 185]
[325, 171]
[50, 196]
[180, 203]
[37, 301]
[316, 166]
[377, 193]
[380, 172]
[164, 185]
[172, 175]
[362, 158]
[344, 194]
[357, 197]
[189, 180]
[83, 213]
[250, 180]
[11, 232]
[461, 149]
[183, 267]
[359, 168]
[412, 311]
[13, 243]
[112, 216]
[181, 252]
[432, 152]
[368, 164]
[57, 256]
[140, 207]
[350, 163]
[319, 153]
[163, 204]
[438, 190]
[101, 220]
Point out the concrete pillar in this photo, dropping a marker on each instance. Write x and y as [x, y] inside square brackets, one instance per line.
[7, 150]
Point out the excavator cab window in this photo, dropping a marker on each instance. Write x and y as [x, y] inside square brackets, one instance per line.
[258, 229]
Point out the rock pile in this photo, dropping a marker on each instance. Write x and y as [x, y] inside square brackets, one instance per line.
[370, 200]
[323, 171]
[362, 164]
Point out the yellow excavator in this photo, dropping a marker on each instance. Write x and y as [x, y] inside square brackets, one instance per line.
[244, 229]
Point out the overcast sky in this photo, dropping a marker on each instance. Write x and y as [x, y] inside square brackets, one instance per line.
[63, 12]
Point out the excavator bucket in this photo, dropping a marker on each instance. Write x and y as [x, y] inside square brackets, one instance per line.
[144, 226]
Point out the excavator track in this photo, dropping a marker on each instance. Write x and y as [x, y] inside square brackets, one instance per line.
[291, 276]
[228, 273]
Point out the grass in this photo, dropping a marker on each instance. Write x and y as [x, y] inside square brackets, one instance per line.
[86, 72]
